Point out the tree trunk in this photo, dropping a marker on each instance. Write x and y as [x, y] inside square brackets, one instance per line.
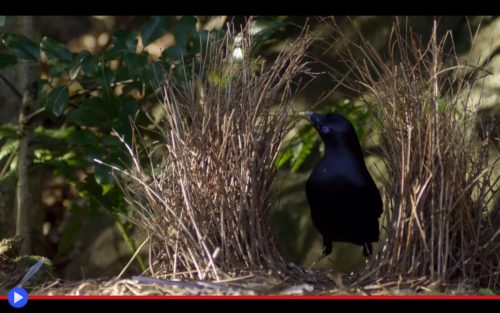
[25, 78]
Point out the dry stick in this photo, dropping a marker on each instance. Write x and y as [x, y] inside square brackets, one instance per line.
[195, 225]
[176, 255]
[147, 188]
[434, 75]
[150, 251]
[132, 259]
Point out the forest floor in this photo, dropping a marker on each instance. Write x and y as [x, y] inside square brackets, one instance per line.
[36, 274]
[258, 284]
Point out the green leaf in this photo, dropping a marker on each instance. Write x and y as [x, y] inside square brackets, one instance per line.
[83, 137]
[2, 20]
[92, 152]
[154, 28]
[303, 149]
[12, 170]
[43, 156]
[107, 79]
[118, 156]
[84, 116]
[58, 134]
[76, 65]
[116, 153]
[8, 131]
[106, 188]
[155, 75]
[89, 65]
[125, 41]
[136, 63]
[111, 141]
[113, 200]
[174, 53]
[94, 112]
[113, 53]
[284, 157]
[103, 175]
[102, 108]
[200, 42]
[56, 51]
[41, 97]
[265, 29]
[128, 108]
[218, 80]
[122, 73]
[22, 47]
[57, 69]
[7, 60]
[57, 100]
[8, 147]
[185, 30]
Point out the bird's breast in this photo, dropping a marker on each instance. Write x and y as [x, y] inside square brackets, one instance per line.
[339, 169]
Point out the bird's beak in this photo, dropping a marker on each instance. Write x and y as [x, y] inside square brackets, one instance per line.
[307, 115]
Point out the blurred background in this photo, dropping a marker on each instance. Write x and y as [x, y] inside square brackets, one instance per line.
[91, 61]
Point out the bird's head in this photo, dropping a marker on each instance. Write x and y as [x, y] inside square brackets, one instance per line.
[331, 127]
[335, 130]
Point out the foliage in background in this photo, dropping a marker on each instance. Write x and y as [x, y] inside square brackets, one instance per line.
[83, 97]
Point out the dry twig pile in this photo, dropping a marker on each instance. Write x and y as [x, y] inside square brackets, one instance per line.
[205, 206]
[440, 180]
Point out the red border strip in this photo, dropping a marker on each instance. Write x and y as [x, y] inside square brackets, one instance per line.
[445, 297]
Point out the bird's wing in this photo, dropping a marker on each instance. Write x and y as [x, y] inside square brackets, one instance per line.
[374, 194]
[365, 197]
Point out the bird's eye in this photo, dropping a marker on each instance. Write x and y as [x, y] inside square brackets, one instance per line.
[325, 129]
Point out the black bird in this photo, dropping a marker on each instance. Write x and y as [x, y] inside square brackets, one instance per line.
[345, 202]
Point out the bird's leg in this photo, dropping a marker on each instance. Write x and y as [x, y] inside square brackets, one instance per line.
[327, 246]
[367, 249]
[327, 249]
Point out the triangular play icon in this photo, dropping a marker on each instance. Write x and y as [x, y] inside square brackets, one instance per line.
[17, 297]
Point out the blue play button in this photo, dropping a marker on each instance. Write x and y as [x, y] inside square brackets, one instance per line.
[18, 297]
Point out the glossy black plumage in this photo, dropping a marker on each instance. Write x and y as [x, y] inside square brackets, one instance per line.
[345, 202]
